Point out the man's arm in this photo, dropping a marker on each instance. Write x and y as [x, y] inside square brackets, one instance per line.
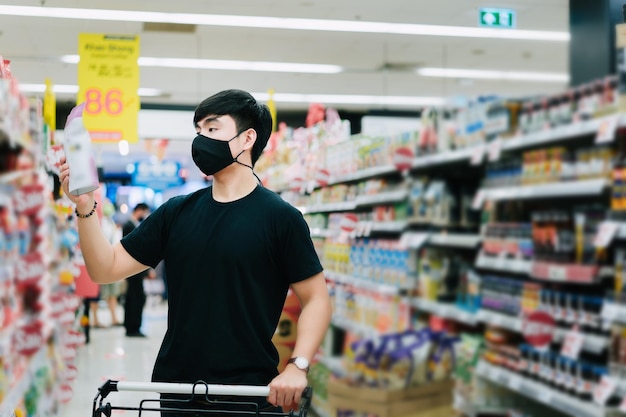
[313, 323]
[105, 263]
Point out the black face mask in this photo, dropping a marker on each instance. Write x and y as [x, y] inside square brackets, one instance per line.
[212, 155]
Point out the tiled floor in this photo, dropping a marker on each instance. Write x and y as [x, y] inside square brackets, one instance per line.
[112, 355]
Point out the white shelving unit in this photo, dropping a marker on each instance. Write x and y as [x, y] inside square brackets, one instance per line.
[518, 266]
[455, 240]
[442, 158]
[580, 188]
[15, 395]
[385, 197]
[557, 134]
[329, 207]
[363, 283]
[541, 393]
[447, 311]
[364, 174]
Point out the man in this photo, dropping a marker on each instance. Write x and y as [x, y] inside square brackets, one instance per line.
[135, 298]
[231, 253]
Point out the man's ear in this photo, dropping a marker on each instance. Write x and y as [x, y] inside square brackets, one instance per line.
[250, 138]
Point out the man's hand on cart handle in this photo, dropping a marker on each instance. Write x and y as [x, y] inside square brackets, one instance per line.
[287, 388]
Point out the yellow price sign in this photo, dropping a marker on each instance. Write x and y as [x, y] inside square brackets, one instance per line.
[108, 81]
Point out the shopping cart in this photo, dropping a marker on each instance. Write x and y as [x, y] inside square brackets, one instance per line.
[200, 398]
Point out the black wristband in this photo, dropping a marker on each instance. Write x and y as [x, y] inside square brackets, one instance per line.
[84, 216]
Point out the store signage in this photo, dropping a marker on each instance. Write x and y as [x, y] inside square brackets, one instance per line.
[108, 81]
[538, 329]
[30, 269]
[156, 175]
[497, 18]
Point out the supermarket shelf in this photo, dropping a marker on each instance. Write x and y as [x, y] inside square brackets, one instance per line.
[317, 232]
[349, 325]
[550, 190]
[442, 158]
[16, 394]
[539, 392]
[364, 174]
[561, 133]
[12, 176]
[386, 197]
[329, 207]
[455, 240]
[517, 266]
[364, 228]
[500, 320]
[363, 283]
[334, 364]
[471, 410]
[591, 343]
[447, 311]
[570, 273]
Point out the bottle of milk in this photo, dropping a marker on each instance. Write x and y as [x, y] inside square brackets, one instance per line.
[79, 154]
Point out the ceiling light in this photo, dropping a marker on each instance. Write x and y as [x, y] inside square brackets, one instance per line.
[396, 101]
[226, 65]
[548, 77]
[282, 23]
[73, 89]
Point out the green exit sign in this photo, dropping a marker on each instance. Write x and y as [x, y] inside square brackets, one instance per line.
[497, 18]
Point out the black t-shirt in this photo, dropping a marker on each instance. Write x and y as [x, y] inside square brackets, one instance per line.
[228, 267]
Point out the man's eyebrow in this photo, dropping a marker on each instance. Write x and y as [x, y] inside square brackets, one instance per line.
[210, 120]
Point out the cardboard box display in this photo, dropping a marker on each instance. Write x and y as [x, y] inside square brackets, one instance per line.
[389, 403]
[342, 389]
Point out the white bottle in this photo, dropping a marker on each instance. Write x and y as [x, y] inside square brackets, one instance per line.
[79, 154]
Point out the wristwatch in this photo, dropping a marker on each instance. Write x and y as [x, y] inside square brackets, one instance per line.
[300, 362]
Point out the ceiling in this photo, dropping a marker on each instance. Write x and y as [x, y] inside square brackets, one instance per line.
[374, 64]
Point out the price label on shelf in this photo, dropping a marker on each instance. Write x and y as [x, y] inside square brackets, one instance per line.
[610, 311]
[572, 344]
[603, 391]
[557, 273]
[495, 150]
[607, 128]
[478, 153]
[606, 233]
[545, 396]
[515, 383]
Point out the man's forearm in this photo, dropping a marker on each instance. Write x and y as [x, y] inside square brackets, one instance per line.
[96, 249]
[312, 326]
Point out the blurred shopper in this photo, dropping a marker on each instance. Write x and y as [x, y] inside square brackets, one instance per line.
[135, 298]
[231, 251]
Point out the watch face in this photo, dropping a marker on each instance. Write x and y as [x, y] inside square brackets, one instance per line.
[301, 363]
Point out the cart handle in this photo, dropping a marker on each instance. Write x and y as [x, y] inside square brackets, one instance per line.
[199, 387]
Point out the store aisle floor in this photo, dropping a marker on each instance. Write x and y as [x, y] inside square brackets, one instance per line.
[112, 355]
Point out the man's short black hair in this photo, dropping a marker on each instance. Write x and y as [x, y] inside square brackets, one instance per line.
[245, 111]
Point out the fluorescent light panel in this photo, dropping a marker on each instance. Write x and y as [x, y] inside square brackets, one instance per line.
[283, 23]
[226, 65]
[404, 101]
[73, 89]
[548, 77]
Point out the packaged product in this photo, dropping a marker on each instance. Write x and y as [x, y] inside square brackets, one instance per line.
[79, 154]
